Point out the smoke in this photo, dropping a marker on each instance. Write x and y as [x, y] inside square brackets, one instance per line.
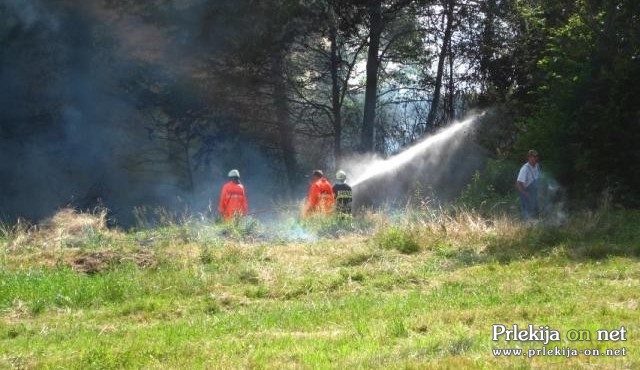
[80, 81]
[89, 87]
[438, 166]
[552, 201]
[30, 13]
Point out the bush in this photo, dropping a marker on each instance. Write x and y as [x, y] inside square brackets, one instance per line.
[395, 237]
[493, 189]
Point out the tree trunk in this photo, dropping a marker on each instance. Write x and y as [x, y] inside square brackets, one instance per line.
[487, 46]
[373, 63]
[285, 134]
[451, 113]
[335, 89]
[443, 53]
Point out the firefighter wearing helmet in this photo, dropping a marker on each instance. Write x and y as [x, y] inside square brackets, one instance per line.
[343, 195]
[320, 199]
[233, 200]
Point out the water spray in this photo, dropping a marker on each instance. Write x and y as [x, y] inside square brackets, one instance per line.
[380, 167]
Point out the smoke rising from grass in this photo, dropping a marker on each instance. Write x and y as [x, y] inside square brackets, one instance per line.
[82, 84]
[83, 80]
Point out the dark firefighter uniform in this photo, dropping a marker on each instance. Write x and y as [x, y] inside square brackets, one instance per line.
[344, 197]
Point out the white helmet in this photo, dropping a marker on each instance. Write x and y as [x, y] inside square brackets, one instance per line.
[234, 173]
[341, 175]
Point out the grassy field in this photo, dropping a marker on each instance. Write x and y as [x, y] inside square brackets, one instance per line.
[416, 290]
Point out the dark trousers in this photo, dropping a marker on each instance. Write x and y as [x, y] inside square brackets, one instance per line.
[529, 204]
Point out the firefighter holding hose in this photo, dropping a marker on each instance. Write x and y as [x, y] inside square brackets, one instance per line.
[343, 195]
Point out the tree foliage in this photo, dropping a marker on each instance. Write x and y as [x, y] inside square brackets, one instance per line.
[106, 95]
[585, 113]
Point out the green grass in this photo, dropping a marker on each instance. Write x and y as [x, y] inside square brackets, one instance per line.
[393, 237]
[419, 292]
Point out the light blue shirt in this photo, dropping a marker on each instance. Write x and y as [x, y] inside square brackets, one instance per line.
[528, 174]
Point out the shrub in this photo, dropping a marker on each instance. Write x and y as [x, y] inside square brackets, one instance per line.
[492, 190]
[395, 237]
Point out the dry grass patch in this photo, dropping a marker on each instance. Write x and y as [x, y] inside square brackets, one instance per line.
[98, 261]
[18, 312]
[321, 334]
[182, 255]
[70, 222]
[80, 240]
[68, 228]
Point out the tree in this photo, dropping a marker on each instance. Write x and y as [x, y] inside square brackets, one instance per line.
[254, 60]
[445, 50]
[321, 74]
[373, 64]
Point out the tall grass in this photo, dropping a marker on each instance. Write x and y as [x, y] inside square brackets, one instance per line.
[417, 289]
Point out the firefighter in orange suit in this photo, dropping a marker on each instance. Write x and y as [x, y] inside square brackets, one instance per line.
[233, 200]
[321, 197]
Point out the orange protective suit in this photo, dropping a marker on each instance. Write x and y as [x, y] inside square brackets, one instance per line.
[233, 201]
[320, 198]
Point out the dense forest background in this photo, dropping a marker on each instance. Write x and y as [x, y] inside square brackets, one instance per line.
[125, 103]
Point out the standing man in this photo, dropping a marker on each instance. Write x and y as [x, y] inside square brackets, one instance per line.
[320, 199]
[527, 184]
[233, 200]
[343, 194]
